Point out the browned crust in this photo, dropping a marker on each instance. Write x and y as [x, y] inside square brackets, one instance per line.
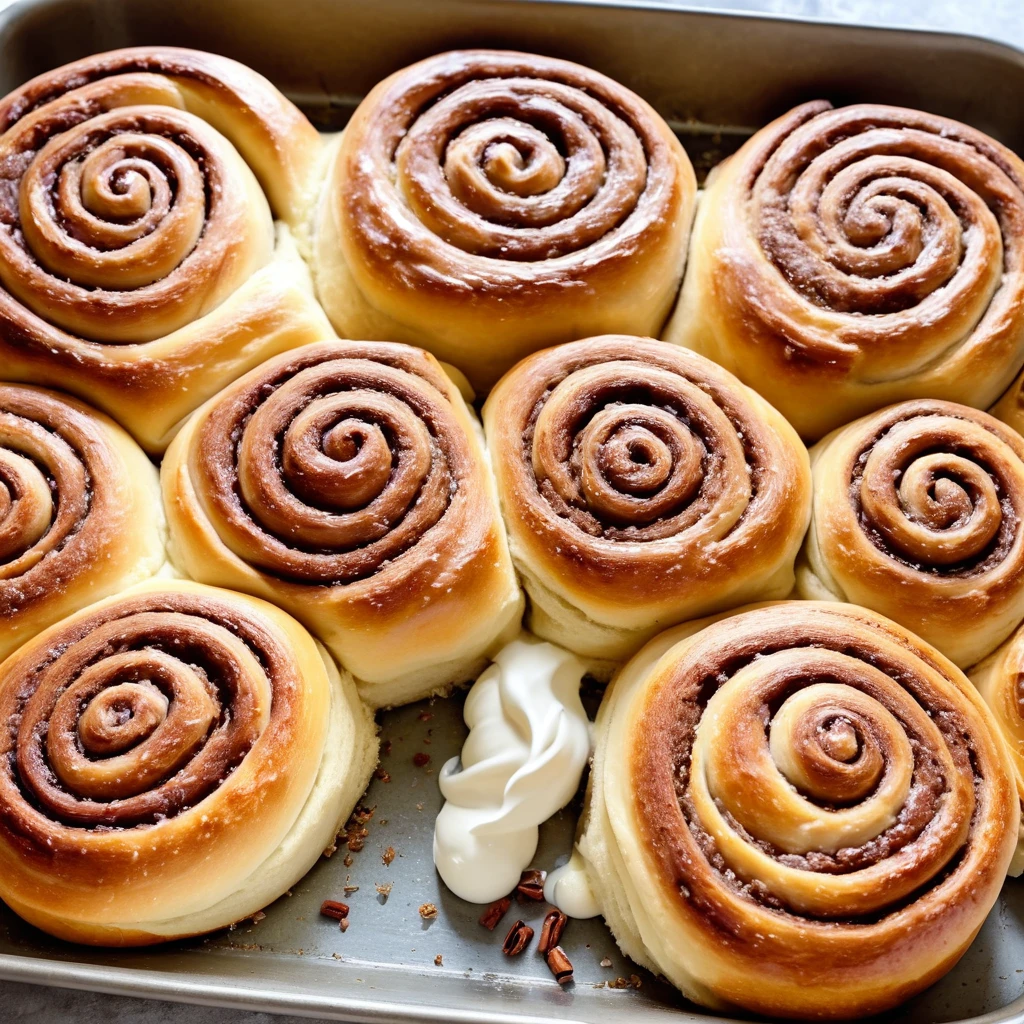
[950, 898]
[746, 464]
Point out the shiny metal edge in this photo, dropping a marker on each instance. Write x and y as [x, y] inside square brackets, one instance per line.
[222, 988]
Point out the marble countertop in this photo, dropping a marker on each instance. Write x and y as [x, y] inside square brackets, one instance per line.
[998, 19]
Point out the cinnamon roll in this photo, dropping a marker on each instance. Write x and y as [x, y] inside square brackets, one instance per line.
[1000, 680]
[139, 264]
[80, 512]
[918, 513]
[801, 798]
[1010, 407]
[344, 482]
[172, 760]
[485, 204]
[846, 259]
[641, 486]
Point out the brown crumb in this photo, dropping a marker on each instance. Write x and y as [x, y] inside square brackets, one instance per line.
[384, 889]
[388, 856]
[383, 821]
[355, 829]
[335, 909]
[518, 939]
[348, 860]
[420, 759]
[428, 911]
[606, 962]
[385, 748]
[351, 889]
[419, 807]
[257, 917]
[332, 849]
[439, 960]
[633, 981]
[382, 774]
[495, 912]
[551, 931]
[560, 965]
[343, 924]
[425, 716]
[531, 884]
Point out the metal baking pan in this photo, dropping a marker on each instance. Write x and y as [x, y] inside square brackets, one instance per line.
[715, 77]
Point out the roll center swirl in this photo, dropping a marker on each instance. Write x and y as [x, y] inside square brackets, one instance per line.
[932, 486]
[120, 717]
[520, 169]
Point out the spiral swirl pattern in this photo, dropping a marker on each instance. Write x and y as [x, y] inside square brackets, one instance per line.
[128, 215]
[342, 480]
[103, 238]
[918, 513]
[861, 256]
[143, 716]
[80, 512]
[487, 192]
[642, 486]
[156, 749]
[807, 786]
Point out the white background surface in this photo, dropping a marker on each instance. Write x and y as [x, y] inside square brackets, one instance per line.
[999, 19]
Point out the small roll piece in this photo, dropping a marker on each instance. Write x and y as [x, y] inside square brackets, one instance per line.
[843, 260]
[345, 482]
[918, 513]
[799, 798]
[1010, 408]
[139, 263]
[173, 760]
[485, 204]
[1000, 680]
[80, 511]
[642, 486]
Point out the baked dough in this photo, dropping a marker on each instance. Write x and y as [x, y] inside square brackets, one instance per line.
[176, 758]
[846, 259]
[641, 485]
[1000, 680]
[346, 483]
[80, 511]
[140, 267]
[919, 514]
[801, 810]
[485, 204]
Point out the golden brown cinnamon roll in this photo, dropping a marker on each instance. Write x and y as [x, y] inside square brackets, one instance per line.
[1000, 680]
[1010, 407]
[846, 259]
[139, 266]
[485, 204]
[173, 760]
[345, 482]
[918, 513]
[800, 798]
[641, 486]
[80, 512]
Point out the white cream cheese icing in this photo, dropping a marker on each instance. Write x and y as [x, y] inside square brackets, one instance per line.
[568, 888]
[528, 743]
